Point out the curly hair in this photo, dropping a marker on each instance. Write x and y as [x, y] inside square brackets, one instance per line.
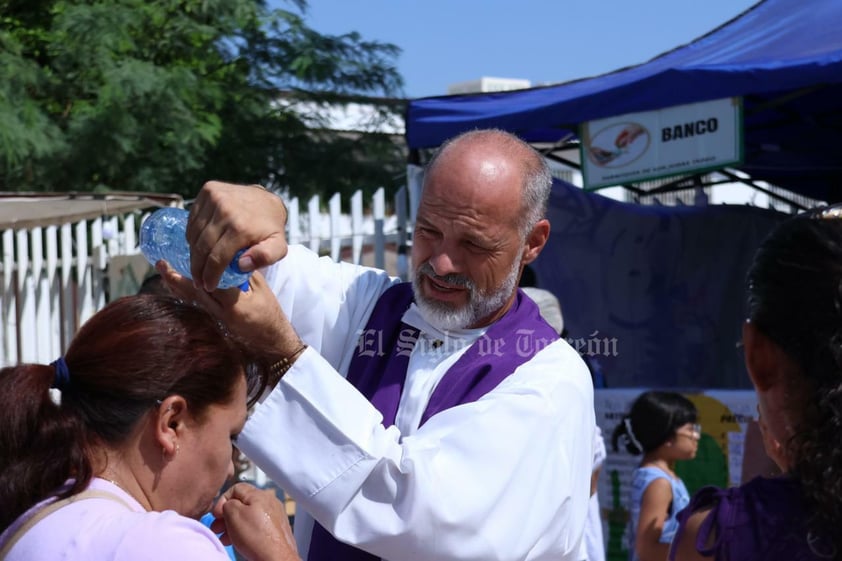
[795, 299]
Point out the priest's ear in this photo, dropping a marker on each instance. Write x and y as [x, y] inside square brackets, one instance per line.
[536, 240]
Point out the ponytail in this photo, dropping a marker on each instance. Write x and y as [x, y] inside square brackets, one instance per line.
[625, 431]
[42, 445]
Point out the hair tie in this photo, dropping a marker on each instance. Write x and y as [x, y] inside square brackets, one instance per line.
[62, 375]
[630, 434]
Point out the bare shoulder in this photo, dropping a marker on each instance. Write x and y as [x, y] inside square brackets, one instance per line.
[654, 504]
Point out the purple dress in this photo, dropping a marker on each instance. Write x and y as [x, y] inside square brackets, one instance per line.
[763, 520]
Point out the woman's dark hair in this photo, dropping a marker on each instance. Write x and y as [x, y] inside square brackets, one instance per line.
[653, 419]
[795, 299]
[135, 351]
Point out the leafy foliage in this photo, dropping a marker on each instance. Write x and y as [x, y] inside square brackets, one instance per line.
[162, 95]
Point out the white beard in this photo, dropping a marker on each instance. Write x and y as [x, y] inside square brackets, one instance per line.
[445, 316]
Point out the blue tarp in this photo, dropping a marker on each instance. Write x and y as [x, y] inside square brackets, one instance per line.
[654, 295]
[784, 57]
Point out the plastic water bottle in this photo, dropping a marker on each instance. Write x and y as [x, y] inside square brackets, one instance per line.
[163, 235]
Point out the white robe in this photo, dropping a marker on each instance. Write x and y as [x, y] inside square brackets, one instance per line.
[504, 478]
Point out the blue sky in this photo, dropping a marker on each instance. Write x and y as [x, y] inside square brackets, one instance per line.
[449, 41]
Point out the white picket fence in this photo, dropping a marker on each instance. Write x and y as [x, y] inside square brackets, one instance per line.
[55, 276]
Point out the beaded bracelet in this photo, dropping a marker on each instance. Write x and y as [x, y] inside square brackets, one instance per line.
[278, 369]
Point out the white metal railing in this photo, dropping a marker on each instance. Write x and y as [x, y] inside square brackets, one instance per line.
[53, 277]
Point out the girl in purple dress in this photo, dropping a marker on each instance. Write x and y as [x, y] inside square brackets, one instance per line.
[793, 353]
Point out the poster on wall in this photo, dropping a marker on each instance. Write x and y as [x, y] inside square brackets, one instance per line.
[673, 141]
[730, 452]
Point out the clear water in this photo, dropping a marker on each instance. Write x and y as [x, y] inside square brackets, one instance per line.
[162, 236]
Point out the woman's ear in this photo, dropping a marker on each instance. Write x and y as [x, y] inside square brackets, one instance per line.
[774, 450]
[765, 360]
[170, 424]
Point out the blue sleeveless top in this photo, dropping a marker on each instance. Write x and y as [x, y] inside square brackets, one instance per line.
[641, 478]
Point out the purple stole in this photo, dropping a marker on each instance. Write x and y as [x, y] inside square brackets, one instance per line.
[378, 370]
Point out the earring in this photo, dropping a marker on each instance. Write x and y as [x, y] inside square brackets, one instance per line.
[174, 454]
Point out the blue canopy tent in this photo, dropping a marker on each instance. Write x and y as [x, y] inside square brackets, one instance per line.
[784, 57]
[656, 294]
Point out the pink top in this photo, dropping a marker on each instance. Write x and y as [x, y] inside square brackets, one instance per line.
[103, 529]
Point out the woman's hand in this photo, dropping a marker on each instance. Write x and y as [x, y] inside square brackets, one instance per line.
[256, 523]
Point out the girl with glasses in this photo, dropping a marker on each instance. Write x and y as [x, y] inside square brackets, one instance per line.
[662, 426]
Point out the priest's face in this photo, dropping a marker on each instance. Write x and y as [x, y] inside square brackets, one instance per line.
[468, 248]
[447, 315]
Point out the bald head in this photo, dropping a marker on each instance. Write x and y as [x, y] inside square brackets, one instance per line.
[502, 152]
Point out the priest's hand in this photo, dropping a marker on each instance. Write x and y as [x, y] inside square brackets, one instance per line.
[226, 218]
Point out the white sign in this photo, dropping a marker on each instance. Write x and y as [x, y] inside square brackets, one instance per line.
[672, 141]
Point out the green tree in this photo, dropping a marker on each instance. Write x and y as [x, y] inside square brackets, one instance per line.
[162, 95]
